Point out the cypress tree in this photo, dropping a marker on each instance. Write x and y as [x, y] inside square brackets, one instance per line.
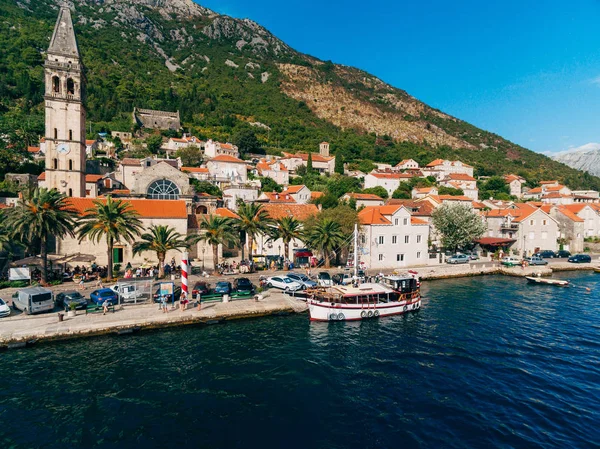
[309, 167]
[339, 164]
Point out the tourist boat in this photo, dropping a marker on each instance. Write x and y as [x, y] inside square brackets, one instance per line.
[395, 295]
[596, 270]
[539, 280]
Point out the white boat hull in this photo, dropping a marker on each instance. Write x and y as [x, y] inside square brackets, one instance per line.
[325, 311]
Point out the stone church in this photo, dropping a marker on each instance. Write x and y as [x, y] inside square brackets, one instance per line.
[160, 193]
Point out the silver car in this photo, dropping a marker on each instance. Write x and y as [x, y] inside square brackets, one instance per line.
[4, 309]
[283, 283]
[303, 280]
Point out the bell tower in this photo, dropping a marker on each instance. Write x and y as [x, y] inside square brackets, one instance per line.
[65, 113]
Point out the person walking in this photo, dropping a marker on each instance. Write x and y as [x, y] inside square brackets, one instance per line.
[183, 301]
[105, 307]
[82, 282]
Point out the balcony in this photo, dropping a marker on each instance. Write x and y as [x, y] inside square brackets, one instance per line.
[510, 227]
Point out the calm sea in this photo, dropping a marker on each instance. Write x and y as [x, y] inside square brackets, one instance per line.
[488, 362]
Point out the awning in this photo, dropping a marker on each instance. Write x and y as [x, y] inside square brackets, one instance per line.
[77, 258]
[493, 241]
[303, 254]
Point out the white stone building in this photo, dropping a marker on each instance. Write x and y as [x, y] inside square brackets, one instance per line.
[363, 199]
[390, 181]
[225, 169]
[321, 162]
[464, 182]
[214, 149]
[407, 164]
[391, 237]
[275, 170]
[515, 184]
[441, 168]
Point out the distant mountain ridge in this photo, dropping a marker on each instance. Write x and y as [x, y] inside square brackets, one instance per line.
[587, 159]
[224, 74]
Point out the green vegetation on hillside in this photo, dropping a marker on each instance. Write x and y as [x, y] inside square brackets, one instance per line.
[215, 100]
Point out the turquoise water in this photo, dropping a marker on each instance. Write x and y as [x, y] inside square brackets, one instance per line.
[487, 362]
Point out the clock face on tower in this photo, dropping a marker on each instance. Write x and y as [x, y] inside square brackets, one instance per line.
[63, 148]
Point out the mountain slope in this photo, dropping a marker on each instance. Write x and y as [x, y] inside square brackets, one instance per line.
[587, 159]
[224, 74]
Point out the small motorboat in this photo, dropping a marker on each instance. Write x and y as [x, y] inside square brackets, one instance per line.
[596, 270]
[546, 281]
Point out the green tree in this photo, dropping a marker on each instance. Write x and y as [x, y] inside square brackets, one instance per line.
[269, 185]
[339, 164]
[114, 220]
[309, 164]
[217, 231]
[458, 225]
[153, 143]
[378, 190]
[286, 229]
[160, 240]
[190, 156]
[443, 190]
[326, 236]
[246, 141]
[39, 215]
[206, 187]
[401, 194]
[327, 201]
[253, 220]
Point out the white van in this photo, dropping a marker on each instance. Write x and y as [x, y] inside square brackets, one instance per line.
[34, 300]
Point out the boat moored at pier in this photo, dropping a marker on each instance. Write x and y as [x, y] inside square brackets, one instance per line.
[395, 295]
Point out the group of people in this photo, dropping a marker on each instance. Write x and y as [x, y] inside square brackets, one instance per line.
[244, 266]
[152, 271]
[183, 302]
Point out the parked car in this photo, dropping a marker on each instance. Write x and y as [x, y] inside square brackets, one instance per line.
[580, 258]
[534, 260]
[283, 283]
[33, 300]
[176, 293]
[303, 280]
[4, 309]
[65, 300]
[510, 261]
[563, 254]
[458, 258]
[127, 291]
[201, 287]
[324, 279]
[243, 285]
[473, 255]
[223, 288]
[545, 254]
[99, 296]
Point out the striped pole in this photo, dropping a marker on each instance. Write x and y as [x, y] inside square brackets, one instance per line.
[184, 273]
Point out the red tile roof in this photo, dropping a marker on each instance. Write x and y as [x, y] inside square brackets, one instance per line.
[417, 221]
[304, 156]
[315, 195]
[90, 142]
[227, 158]
[93, 178]
[224, 212]
[195, 169]
[569, 214]
[372, 216]
[131, 162]
[145, 208]
[299, 211]
[33, 149]
[460, 177]
[365, 196]
[42, 176]
[293, 189]
[275, 197]
[548, 182]
[390, 175]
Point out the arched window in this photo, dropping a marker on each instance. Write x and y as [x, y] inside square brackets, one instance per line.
[55, 163]
[163, 190]
[70, 134]
[70, 87]
[70, 192]
[70, 164]
[56, 84]
[55, 133]
[201, 210]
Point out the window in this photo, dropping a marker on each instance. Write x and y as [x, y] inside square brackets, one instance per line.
[419, 238]
[396, 221]
[531, 222]
[363, 239]
[399, 257]
[380, 241]
[55, 164]
[418, 254]
[55, 133]
[407, 239]
[544, 222]
[117, 255]
[394, 239]
[55, 84]
[70, 164]
[70, 134]
[405, 221]
[380, 257]
[70, 192]
[70, 87]
[163, 190]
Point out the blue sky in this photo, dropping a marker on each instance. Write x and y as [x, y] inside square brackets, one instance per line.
[527, 70]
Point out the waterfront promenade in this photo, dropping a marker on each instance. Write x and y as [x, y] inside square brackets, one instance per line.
[19, 329]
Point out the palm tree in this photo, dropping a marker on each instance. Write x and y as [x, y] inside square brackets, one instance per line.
[40, 214]
[326, 236]
[160, 240]
[114, 220]
[253, 220]
[217, 231]
[286, 229]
